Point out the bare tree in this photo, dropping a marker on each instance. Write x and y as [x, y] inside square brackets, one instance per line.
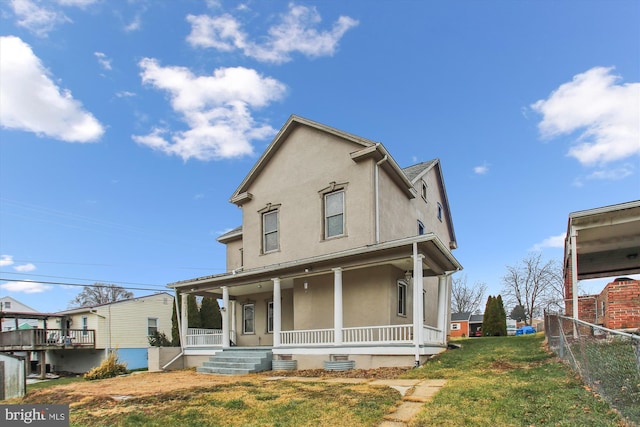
[466, 298]
[100, 293]
[534, 284]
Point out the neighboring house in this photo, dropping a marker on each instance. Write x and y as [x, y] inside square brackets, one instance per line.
[604, 242]
[466, 324]
[11, 305]
[123, 326]
[616, 307]
[334, 236]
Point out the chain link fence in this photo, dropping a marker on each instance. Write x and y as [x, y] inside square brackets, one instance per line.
[607, 360]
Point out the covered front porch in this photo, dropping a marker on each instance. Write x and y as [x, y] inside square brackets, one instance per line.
[381, 305]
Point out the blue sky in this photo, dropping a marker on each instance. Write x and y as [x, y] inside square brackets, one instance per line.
[125, 126]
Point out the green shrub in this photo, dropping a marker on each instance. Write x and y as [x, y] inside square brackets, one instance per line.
[109, 368]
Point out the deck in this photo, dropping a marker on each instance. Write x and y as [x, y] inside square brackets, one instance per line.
[46, 339]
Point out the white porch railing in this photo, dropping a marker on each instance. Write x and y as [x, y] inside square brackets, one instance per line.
[378, 334]
[307, 337]
[432, 335]
[197, 337]
[391, 334]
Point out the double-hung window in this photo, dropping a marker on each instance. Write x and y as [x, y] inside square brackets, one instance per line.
[334, 214]
[402, 298]
[152, 326]
[248, 319]
[85, 325]
[270, 231]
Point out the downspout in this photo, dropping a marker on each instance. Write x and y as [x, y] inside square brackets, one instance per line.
[175, 300]
[377, 196]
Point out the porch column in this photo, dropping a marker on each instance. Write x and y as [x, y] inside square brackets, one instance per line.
[184, 320]
[277, 312]
[225, 317]
[442, 306]
[418, 300]
[337, 305]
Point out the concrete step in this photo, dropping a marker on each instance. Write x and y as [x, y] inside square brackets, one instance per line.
[238, 362]
[224, 371]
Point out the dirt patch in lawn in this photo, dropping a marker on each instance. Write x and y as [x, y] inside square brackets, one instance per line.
[146, 384]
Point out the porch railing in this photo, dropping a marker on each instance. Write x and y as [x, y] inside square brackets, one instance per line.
[432, 335]
[197, 337]
[389, 334]
[307, 337]
[378, 334]
[47, 338]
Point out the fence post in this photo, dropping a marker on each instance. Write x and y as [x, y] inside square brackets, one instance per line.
[636, 349]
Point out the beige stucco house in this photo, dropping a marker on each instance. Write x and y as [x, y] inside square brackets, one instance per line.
[341, 252]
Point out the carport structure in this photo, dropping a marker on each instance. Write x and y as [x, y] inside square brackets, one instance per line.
[600, 242]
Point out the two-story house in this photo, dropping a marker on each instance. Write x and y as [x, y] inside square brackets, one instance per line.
[342, 254]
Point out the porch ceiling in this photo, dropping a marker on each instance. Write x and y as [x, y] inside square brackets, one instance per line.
[437, 260]
[608, 240]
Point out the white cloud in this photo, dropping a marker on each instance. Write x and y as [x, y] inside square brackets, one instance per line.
[125, 94]
[551, 242]
[32, 102]
[41, 17]
[6, 260]
[103, 60]
[481, 170]
[602, 110]
[26, 286]
[296, 32]
[216, 108]
[24, 268]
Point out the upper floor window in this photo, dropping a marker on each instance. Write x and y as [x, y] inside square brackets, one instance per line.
[270, 231]
[85, 325]
[7, 305]
[420, 228]
[334, 214]
[439, 211]
[423, 191]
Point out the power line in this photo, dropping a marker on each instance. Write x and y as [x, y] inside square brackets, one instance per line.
[80, 278]
[84, 285]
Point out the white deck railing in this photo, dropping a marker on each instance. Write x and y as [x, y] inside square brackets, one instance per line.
[378, 334]
[307, 337]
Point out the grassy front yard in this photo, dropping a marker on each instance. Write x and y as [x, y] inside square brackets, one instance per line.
[509, 381]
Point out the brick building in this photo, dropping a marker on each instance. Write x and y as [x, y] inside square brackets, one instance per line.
[616, 307]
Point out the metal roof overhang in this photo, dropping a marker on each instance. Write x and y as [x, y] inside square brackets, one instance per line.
[608, 240]
[437, 260]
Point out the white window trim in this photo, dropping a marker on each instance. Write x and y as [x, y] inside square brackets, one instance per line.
[423, 191]
[244, 323]
[269, 317]
[401, 309]
[326, 216]
[276, 231]
[440, 212]
[455, 326]
[149, 326]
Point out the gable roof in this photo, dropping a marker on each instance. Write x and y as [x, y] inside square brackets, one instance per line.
[458, 317]
[8, 298]
[91, 307]
[370, 149]
[416, 172]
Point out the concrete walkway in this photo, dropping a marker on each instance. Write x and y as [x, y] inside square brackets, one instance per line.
[414, 394]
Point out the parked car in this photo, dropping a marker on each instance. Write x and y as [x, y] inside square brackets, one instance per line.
[511, 330]
[525, 330]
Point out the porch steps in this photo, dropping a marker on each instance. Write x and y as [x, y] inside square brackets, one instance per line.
[238, 362]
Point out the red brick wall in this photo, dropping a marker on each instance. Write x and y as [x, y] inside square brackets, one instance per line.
[463, 331]
[622, 304]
